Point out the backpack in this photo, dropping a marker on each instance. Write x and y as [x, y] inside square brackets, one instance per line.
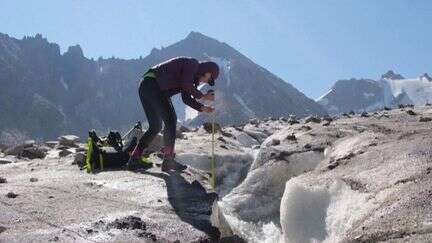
[109, 152]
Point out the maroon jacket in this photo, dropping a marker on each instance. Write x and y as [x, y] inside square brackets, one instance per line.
[179, 75]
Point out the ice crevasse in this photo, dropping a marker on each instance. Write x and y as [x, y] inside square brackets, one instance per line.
[279, 201]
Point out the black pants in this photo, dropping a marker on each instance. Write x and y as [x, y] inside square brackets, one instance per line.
[157, 107]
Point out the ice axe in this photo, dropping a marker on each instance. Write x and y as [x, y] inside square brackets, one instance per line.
[136, 126]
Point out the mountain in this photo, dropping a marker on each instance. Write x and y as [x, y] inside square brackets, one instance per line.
[368, 95]
[45, 93]
[244, 89]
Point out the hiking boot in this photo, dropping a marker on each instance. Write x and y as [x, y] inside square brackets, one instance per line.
[133, 162]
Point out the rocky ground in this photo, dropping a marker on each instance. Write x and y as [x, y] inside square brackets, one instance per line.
[50, 199]
[355, 178]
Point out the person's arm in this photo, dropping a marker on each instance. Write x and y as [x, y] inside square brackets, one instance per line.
[190, 67]
[188, 100]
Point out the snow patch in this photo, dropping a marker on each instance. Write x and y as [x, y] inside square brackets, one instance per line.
[225, 65]
[190, 113]
[65, 85]
[324, 95]
[246, 109]
[418, 90]
[368, 95]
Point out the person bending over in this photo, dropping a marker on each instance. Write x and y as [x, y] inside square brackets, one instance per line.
[159, 83]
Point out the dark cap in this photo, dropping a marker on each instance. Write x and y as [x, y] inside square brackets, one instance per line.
[209, 67]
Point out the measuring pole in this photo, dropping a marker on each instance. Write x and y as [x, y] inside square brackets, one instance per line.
[213, 160]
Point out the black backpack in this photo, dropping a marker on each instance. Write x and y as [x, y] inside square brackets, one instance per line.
[105, 153]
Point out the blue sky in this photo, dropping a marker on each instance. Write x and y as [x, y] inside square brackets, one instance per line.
[309, 43]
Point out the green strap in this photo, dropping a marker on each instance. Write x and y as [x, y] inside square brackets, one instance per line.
[88, 165]
[149, 75]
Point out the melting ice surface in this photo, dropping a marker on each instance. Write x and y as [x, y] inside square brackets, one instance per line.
[275, 204]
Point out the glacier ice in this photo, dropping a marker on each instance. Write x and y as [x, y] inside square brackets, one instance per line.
[321, 213]
[252, 209]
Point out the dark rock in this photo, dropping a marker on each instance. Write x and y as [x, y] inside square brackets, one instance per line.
[275, 142]
[5, 161]
[346, 115]
[411, 112]
[312, 119]
[33, 153]
[11, 195]
[64, 152]
[226, 134]
[17, 150]
[333, 165]
[128, 223]
[293, 121]
[33, 179]
[51, 144]
[180, 130]
[239, 128]
[425, 119]
[3, 180]
[428, 104]
[68, 140]
[254, 121]
[364, 114]
[351, 113]
[221, 139]
[307, 146]
[291, 137]
[79, 159]
[223, 146]
[148, 235]
[327, 118]
[326, 124]
[208, 127]
[387, 108]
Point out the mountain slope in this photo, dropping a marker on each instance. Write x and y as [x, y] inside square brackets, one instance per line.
[368, 95]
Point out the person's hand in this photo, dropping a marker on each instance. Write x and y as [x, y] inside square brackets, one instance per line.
[207, 109]
[209, 96]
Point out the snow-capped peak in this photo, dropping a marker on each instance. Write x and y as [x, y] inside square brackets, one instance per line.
[426, 77]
